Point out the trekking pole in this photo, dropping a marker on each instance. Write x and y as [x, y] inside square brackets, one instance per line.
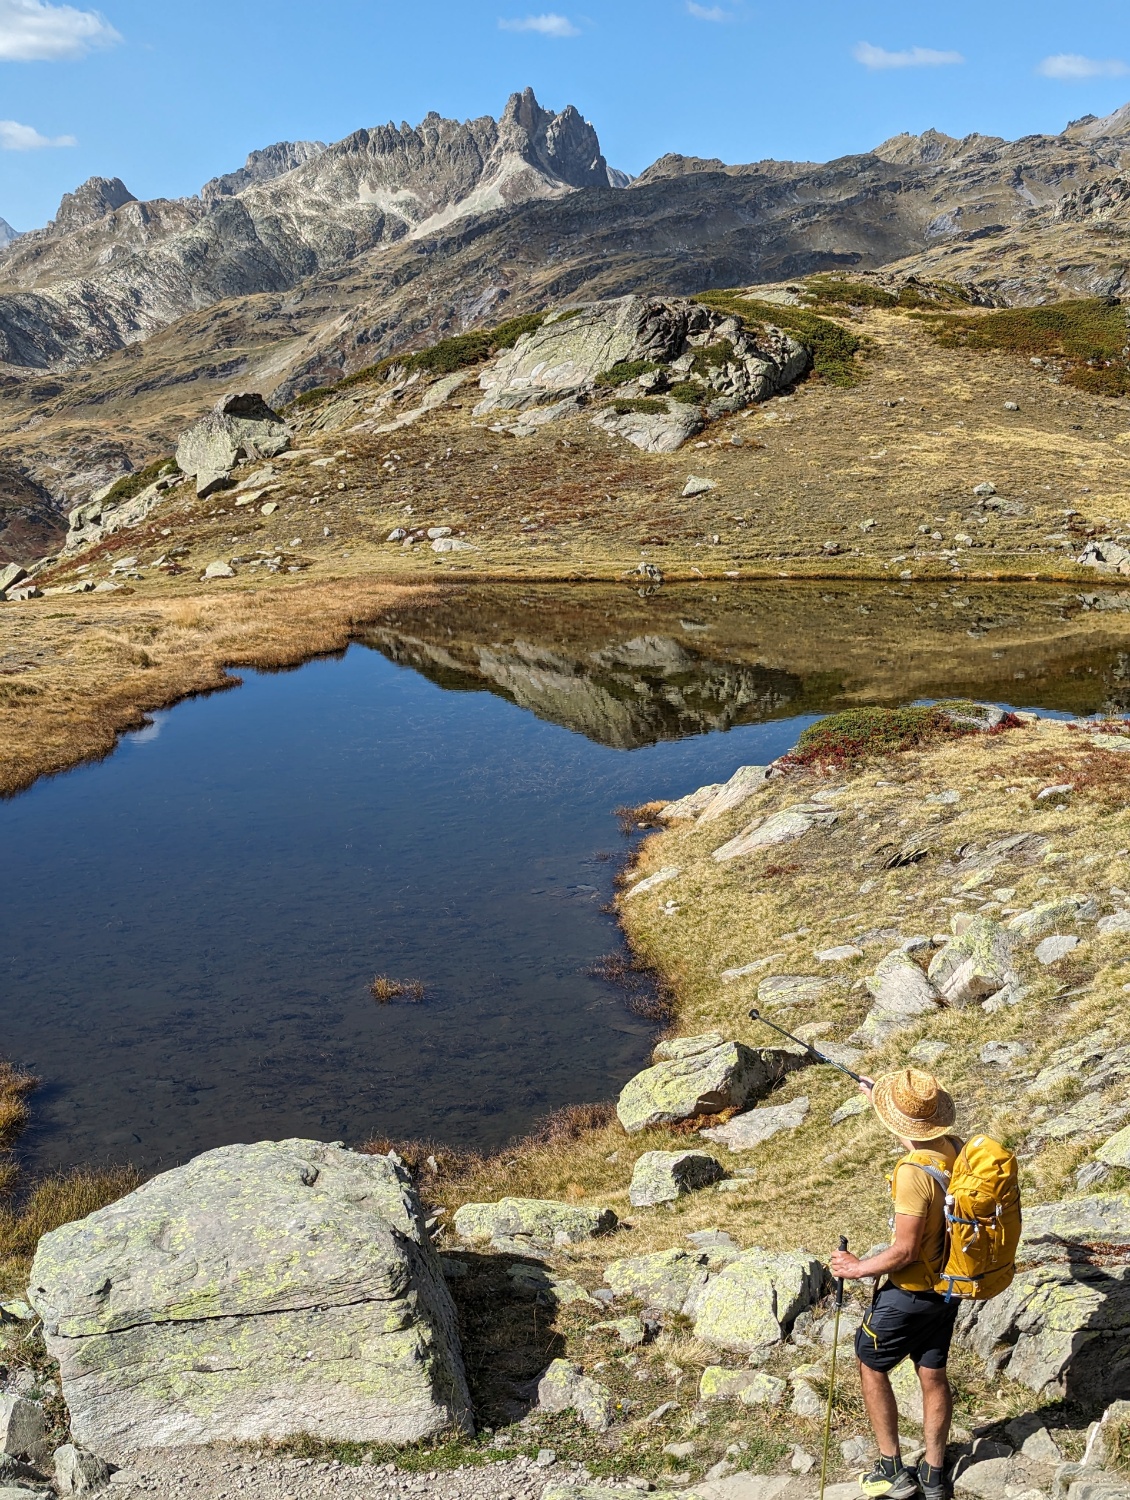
[808, 1047]
[832, 1376]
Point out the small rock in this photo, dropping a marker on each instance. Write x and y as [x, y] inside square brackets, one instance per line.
[791, 989]
[546, 1458]
[807, 1402]
[1052, 949]
[697, 486]
[803, 1462]
[750, 1387]
[856, 1105]
[667, 1280]
[564, 1387]
[1029, 1435]
[542, 1219]
[1003, 1054]
[756, 1126]
[1115, 1152]
[663, 1176]
[219, 569]
[435, 532]
[452, 544]
[656, 1416]
[397, 535]
[839, 955]
[78, 1471]
[679, 1450]
[269, 509]
[1059, 789]
[984, 490]
[1011, 406]
[927, 1051]
[630, 1330]
[22, 1429]
[1117, 922]
[857, 1450]
[720, 1470]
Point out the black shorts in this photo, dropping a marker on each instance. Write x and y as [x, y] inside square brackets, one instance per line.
[901, 1324]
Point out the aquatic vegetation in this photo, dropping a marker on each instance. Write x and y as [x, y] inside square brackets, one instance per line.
[384, 990]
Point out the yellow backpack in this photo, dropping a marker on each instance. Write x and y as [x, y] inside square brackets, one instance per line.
[982, 1220]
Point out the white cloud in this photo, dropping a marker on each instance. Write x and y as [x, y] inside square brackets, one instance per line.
[1070, 67]
[14, 137]
[547, 25]
[708, 12]
[35, 31]
[913, 57]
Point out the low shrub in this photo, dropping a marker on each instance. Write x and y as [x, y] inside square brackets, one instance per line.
[624, 370]
[712, 357]
[443, 358]
[861, 732]
[130, 485]
[834, 291]
[646, 404]
[690, 393]
[1091, 335]
[832, 346]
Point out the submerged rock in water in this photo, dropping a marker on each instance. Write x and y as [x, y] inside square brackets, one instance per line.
[255, 1294]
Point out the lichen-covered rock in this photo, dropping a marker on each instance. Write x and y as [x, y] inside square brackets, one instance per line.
[564, 1387]
[901, 993]
[750, 1387]
[256, 1293]
[791, 989]
[699, 1075]
[23, 1433]
[78, 1471]
[1115, 1152]
[1063, 1327]
[687, 808]
[1094, 1114]
[239, 427]
[668, 1279]
[540, 1219]
[745, 783]
[764, 833]
[974, 964]
[746, 1131]
[752, 1304]
[1047, 916]
[663, 1176]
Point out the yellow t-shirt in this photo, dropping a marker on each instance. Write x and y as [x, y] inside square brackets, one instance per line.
[916, 1193]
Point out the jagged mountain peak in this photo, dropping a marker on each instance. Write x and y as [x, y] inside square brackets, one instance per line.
[1094, 128]
[934, 147]
[7, 234]
[97, 197]
[262, 166]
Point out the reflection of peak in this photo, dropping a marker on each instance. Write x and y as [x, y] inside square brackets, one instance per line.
[625, 695]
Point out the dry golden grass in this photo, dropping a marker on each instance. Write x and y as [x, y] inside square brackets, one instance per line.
[76, 673]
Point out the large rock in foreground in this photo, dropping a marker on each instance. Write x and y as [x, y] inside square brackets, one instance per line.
[239, 427]
[753, 1303]
[700, 1075]
[257, 1293]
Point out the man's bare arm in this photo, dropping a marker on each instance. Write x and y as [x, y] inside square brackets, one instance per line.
[904, 1250]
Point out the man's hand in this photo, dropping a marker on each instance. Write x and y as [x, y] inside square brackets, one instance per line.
[846, 1265]
[865, 1087]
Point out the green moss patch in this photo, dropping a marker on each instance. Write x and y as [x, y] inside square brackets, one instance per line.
[833, 347]
[646, 404]
[130, 485]
[624, 370]
[1090, 335]
[690, 392]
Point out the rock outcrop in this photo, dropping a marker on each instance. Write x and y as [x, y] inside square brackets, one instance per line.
[257, 1293]
[643, 347]
[240, 427]
[663, 1176]
[1063, 1327]
[700, 1075]
[751, 1305]
[540, 1220]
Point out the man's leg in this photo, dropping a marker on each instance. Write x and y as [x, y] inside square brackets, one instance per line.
[937, 1412]
[882, 1409]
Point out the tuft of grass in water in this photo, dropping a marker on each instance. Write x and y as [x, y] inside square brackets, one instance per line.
[1090, 335]
[645, 992]
[385, 990]
[833, 347]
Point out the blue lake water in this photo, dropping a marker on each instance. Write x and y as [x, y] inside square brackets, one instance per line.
[188, 934]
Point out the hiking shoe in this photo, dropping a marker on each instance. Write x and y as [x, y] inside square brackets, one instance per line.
[931, 1481]
[887, 1479]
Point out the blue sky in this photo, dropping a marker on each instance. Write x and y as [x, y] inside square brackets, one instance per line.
[167, 93]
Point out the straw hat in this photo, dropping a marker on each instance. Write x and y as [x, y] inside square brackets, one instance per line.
[912, 1104]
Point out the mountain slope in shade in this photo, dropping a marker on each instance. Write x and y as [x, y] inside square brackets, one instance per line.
[7, 234]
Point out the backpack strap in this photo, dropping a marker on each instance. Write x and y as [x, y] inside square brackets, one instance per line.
[940, 1177]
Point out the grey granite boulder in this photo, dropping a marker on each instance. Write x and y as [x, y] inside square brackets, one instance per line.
[239, 427]
[542, 1220]
[668, 1279]
[754, 1127]
[900, 993]
[653, 431]
[663, 1176]
[699, 1075]
[23, 1432]
[257, 1293]
[974, 964]
[78, 1471]
[564, 1387]
[751, 1304]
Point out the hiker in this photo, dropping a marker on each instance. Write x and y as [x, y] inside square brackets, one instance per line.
[908, 1317]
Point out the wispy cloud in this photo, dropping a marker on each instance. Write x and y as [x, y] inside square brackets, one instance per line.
[547, 25]
[1071, 67]
[708, 12]
[34, 31]
[912, 57]
[15, 137]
